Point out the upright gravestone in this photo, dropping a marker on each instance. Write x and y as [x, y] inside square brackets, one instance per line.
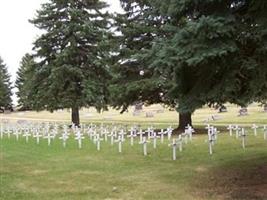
[243, 111]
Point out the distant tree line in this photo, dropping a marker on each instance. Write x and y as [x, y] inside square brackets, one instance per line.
[180, 53]
[5, 88]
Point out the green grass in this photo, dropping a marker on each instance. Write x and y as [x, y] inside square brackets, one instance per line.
[160, 120]
[31, 171]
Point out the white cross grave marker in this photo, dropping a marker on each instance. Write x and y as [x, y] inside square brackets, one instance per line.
[154, 137]
[211, 141]
[98, 141]
[119, 141]
[79, 137]
[237, 131]
[1, 131]
[37, 135]
[132, 135]
[64, 137]
[8, 131]
[254, 127]
[26, 135]
[162, 133]
[112, 136]
[144, 143]
[49, 137]
[140, 133]
[174, 146]
[17, 133]
[189, 131]
[243, 134]
[265, 132]
[169, 132]
[230, 128]
[180, 141]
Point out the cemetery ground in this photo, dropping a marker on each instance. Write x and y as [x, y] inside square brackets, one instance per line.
[31, 171]
[162, 117]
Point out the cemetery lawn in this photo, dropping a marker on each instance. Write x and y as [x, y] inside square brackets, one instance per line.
[30, 171]
[162, 117]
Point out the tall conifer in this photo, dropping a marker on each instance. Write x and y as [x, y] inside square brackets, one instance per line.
[72, 72]
[5, 87]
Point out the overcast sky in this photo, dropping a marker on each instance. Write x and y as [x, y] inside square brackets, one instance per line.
[17, 34]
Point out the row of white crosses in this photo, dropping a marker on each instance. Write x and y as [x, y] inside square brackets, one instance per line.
[182, 138]
[239, 131]
[212, 135]
[50, 131]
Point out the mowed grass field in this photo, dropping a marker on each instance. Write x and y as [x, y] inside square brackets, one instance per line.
[31, 171]
[163, 117]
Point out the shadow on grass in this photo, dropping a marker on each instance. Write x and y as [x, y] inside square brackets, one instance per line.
[235, 181]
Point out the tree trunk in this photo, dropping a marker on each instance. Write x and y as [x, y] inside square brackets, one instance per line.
[184, 120]
[75, 118]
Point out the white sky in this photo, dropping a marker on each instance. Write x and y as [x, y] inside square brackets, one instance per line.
[17, 34]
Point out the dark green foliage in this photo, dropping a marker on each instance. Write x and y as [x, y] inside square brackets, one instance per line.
[24, 82]
[72, 72]
[217, 50]
[133, 80]
[192, 52]
[5, 87]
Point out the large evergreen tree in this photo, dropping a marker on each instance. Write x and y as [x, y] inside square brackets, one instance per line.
[72, 72]
[5, 87]
[217, 50]
[24, 82]
[134, 81]
[198, 52]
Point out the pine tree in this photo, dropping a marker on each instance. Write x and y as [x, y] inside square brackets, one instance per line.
[217, 50]
[5, 87]
[201, 52]
[133, 80]
[24, 80]
[72, 72]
